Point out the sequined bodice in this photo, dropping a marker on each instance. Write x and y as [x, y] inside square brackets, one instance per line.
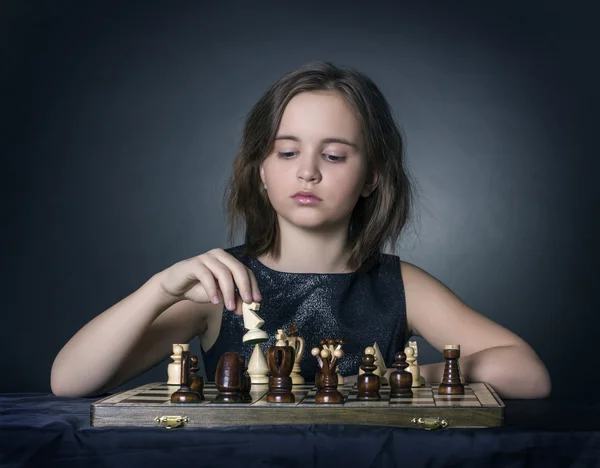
[361, 308]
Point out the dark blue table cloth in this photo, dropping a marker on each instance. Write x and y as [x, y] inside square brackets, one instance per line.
[44, 430]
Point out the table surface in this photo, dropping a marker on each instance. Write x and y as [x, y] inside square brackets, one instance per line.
[36, 427]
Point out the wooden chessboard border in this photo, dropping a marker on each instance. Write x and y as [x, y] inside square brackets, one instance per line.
[479, 407]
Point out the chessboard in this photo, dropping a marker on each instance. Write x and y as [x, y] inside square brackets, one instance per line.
[149, 405]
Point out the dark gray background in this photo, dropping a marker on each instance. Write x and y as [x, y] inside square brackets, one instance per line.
[122, 122]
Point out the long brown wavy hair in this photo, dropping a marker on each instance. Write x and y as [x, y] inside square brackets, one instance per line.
[376, 220]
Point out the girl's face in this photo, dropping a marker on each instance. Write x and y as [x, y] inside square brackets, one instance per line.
[319, 149]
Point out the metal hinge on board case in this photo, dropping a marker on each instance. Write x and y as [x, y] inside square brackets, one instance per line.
[170, 422]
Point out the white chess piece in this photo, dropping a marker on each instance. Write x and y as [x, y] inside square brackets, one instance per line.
[413, 345]
[174, 368]
[380, 362]
[296, 342]
[252, 323]
[412, 368]
[258, 369]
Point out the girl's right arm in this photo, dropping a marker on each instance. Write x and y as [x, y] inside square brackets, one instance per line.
[139, 331]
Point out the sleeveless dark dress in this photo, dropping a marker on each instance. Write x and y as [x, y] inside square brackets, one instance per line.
[361, 308]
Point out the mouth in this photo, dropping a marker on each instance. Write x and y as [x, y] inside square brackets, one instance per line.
[305, 194]
[306, 198]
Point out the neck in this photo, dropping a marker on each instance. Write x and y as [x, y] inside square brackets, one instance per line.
[308, 251]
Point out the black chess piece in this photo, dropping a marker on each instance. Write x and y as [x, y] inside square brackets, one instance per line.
[229, 378]
[196, 381]
[400, 379]
[281, 361]
[327, 383]
[185, 394]
[368, 383]
[451, 383]
[246, 383]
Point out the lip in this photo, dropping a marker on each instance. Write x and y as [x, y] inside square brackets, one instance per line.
[306, 194]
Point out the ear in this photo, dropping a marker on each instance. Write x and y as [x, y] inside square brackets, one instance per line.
[370, 184]
[262, 174]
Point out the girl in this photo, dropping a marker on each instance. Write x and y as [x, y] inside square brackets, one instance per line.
[321, 186]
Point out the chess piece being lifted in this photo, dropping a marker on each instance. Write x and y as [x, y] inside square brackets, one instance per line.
[368, 383]
[451, 383]
[257, 366]
[296, 342]
[400, 380]
[280, 358]
[328, 361]
[185, 394]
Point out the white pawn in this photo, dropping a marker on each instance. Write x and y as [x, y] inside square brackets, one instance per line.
[174, 368]
[412, 367]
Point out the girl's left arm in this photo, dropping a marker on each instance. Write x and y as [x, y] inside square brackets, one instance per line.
[489, 352]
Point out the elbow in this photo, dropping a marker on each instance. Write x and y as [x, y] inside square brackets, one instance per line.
[542, 387]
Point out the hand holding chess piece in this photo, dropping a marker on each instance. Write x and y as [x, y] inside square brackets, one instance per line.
[257, 366]
[451, 383]
[328, 361]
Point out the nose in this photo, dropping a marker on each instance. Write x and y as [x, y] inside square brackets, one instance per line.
[308, 169]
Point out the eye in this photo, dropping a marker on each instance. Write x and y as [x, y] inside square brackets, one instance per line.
[334, 158]
[285, 154]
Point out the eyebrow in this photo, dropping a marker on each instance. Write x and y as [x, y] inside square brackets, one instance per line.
[343, 141]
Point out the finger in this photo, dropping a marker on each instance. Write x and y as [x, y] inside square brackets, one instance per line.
[207, 280]
[254, 285]
[239, 304]
[240, 275]
[223, 276]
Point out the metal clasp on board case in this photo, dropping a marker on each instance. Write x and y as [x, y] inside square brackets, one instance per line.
[429, 424]
[169, 422]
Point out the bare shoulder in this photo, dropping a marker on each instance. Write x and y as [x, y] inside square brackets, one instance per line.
[437, 314]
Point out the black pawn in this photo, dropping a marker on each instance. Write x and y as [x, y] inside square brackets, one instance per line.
[368, 383]
[197, 382]
[400, 379]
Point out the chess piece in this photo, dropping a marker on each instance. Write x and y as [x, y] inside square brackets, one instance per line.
[258, 369]
[257, 366]
[196, 381]
[413, 345]
[280, 358]
[252, 323]
[229, 378]
[185, 394]
[246, 383]
[400, 380]
[451, 381]
[412, 368]
[174, 368]
[328, 361]
[380, 363]
[296, 342]
[368, 383]
[332, 345]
